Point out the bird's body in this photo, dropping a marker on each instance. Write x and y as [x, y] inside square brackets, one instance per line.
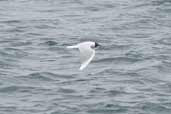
[87, 52]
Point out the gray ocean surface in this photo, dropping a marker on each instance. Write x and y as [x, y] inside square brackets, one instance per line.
[130, 74]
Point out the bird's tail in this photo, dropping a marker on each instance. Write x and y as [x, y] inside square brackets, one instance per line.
[71, 47]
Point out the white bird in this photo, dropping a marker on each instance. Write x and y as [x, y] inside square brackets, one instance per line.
[87, 52]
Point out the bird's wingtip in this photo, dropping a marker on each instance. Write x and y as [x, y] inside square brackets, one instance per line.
[68, 47]
[81, 68]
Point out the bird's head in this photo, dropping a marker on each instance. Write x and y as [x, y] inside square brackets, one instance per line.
[93, 45]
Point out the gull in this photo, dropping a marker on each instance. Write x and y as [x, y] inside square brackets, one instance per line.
[87, 52]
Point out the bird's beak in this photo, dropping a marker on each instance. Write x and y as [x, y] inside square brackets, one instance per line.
[97, 44]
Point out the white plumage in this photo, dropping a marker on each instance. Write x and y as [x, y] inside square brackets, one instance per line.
[87, 52]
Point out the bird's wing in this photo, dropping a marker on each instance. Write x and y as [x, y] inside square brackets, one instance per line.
[86, 54]
[71, 47]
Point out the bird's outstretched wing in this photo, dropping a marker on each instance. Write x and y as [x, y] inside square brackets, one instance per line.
[71, 47]
[86, 54]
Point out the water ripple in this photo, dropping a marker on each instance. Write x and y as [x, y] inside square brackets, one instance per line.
[130, 73]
